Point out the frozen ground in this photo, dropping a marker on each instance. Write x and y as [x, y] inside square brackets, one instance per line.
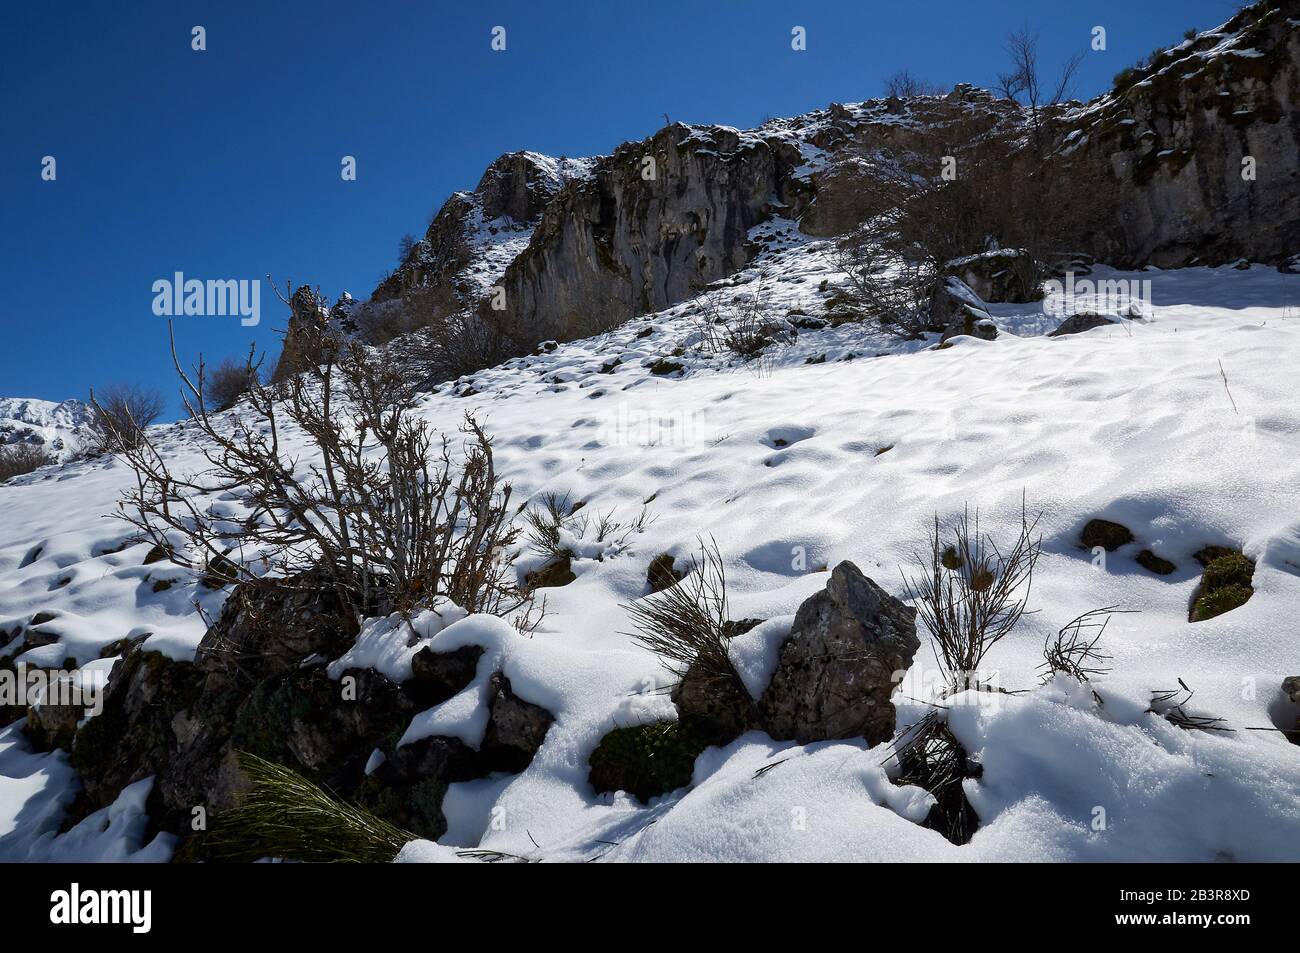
[793, 466]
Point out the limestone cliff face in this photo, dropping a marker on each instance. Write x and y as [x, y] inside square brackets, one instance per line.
[475, 234]
[657, 219]
[1174, 134]
[579, 245]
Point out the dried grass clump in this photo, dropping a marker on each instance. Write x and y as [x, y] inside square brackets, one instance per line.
[970, 608]
[284, 815]
[686, 624]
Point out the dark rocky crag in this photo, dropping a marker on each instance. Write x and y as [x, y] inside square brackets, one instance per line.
[1167, 147]
[258, 685]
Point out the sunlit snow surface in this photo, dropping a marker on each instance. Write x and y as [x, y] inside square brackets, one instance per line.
[781, 464]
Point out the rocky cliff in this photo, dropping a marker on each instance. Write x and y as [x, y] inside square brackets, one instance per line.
[579, 245]
[1202, 145]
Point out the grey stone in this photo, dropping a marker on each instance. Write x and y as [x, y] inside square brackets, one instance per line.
[836, 672]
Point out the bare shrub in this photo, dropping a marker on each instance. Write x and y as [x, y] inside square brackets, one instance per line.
[970, 608]
[738, 323]
[686, 624]
[391, 512]
[1003, 196]
[1073, 649]
[119, 415]
[227, 382]
[457, 344]
[884, 284]
[19, 458]
[903, 85]
[1024, 83]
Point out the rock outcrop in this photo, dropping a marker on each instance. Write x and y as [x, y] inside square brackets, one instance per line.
[656, 220]
[1200, 146]
[837, 670]
[956, 309]
[1195, 155]
[259, 685]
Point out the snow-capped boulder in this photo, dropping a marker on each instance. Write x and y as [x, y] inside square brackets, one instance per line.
[849, 646]
[1001, 275]
[956, 309]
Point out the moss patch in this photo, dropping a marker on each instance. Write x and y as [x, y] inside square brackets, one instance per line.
[647, 760]
[1225, 585]
[664, 366]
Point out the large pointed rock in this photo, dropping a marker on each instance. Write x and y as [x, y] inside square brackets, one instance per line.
[849, 645]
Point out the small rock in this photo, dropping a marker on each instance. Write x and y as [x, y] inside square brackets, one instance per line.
[1150, 561]
[661, 575]
[1076, 324]
[438, 676]
[51, 726]
[516, 729]
[1109, 536]
[717, 709]
[955, 309]
[558, 572]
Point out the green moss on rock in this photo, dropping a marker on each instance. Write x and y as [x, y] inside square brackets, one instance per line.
[1225, 584]
[646, 760]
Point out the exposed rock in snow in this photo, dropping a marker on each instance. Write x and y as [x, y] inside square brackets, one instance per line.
[1078, 323]
[842, 662]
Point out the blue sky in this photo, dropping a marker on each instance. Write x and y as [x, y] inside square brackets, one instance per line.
[225, 163]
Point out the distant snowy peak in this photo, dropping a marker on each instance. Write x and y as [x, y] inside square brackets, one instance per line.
[61, 428]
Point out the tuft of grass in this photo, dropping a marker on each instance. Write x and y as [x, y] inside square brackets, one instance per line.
[930, 757]
[686, 624]
[1216, 603]
[282, 814]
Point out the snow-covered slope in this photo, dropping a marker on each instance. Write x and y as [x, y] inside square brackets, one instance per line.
[1183, 426]
[61, 429]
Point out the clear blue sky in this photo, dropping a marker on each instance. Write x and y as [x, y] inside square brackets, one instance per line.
[225, 163]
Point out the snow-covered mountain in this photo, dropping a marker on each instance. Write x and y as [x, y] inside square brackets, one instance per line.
[61, 429]
[1155, 433]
